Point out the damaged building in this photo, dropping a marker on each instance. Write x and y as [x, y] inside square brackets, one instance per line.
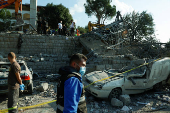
[107, 48]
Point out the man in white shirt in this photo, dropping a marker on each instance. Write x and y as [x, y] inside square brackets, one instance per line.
[60, 28]
[72, 27]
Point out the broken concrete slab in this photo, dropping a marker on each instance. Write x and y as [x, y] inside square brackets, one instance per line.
[43, 87]
[125, 99]
[116, 103]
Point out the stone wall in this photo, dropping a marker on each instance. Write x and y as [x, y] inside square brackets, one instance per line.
[46, 54]
[35, 44]
[42, 53]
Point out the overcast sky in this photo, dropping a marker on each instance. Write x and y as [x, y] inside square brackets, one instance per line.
[160, 10]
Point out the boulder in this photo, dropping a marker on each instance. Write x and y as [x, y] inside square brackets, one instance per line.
[125, 99]
[116, 103]
[43, 87]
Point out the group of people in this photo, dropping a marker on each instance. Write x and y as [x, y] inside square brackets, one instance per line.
[70, 91]
[62, 29]
[43, 28]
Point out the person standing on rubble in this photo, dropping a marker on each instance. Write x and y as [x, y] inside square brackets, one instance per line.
[72, 27]
[44, 28]
[64, 30]
[14, 82]
[70, 91]
[60, 28]
[39, 22]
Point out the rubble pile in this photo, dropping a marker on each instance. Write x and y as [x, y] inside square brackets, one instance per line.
[42, 91]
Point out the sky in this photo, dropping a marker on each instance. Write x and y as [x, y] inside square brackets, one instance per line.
[159, 9]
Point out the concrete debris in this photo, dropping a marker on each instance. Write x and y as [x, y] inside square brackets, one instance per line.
[125, 99]
[125, 108]
[116, 103]
[129, 56]
[43, 87]
[42, 59]
[96, 105]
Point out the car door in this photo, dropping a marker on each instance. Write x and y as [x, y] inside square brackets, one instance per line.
[137, 84]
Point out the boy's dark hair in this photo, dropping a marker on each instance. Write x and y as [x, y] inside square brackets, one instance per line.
[11, 55]
[77, 58]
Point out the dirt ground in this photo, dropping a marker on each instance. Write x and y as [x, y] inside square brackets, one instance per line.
[149, 101]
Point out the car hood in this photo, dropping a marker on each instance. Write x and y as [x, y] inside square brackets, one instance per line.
[99, 75]
[4, 74]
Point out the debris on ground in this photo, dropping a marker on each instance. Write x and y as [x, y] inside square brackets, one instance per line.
[116, 103]
[125, 99]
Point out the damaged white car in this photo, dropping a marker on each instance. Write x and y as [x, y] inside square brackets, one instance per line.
[26, 76]
[132, 82]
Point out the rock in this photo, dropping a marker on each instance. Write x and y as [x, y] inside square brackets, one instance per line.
[43, 87]
[125, 99]
[125, 108]
[117, 103]
[42, 59]
[26, 98]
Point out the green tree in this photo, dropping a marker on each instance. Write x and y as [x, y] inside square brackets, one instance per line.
[56, 13]
[82, 30]
[101, 9]
[5, 16]
[141, 26]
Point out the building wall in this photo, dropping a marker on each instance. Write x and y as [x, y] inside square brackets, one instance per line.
[12, 11]
[42, 53]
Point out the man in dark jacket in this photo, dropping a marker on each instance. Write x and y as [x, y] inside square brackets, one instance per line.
[70, 92]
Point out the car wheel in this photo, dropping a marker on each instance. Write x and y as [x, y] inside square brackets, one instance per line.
[115, 93]
[30, 88]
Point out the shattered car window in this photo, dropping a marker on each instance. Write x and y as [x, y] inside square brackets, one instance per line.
[22, 66]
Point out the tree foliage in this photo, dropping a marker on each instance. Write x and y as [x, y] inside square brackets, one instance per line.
[141, 26]
[82, 30]
[56, 13]
[101, 9]
[5, 16]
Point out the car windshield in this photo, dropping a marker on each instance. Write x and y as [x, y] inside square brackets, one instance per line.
[4, 67]
[22, 66]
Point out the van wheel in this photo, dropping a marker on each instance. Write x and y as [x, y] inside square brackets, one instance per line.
[30, 88]
[115, 93]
